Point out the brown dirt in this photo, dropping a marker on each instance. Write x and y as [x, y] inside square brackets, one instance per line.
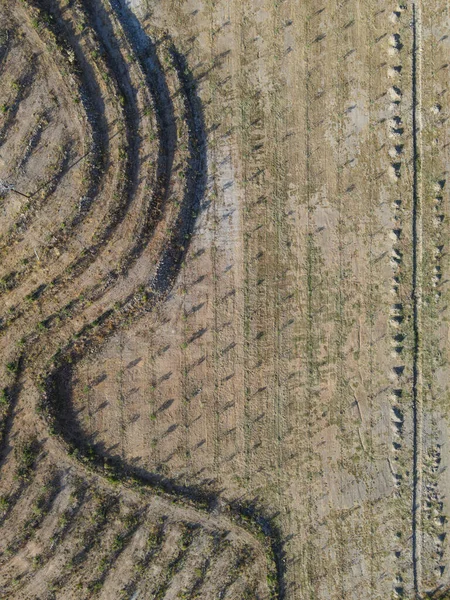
[224, 305]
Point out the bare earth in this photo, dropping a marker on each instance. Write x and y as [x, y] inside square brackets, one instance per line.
[224, 299]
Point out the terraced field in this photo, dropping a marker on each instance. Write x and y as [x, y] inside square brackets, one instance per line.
[224, 299]
[102, 131]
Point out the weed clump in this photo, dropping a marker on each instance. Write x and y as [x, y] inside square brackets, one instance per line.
[26, 453]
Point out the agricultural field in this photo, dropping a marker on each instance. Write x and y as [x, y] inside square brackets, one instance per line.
[224, 300]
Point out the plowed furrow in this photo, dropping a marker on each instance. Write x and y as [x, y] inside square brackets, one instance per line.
[114, 257]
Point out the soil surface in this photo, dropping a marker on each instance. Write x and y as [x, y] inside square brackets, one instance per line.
[224, 300]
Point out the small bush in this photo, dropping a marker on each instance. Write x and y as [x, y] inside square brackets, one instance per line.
[4, 503]
[4, 399]
[12, 367]
[26, 453]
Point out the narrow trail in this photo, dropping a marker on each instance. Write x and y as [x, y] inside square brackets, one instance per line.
[417, 230]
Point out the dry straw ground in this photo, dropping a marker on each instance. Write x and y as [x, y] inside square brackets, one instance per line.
[224, 299]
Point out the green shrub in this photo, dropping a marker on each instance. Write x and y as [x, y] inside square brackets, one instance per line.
[12, 367]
